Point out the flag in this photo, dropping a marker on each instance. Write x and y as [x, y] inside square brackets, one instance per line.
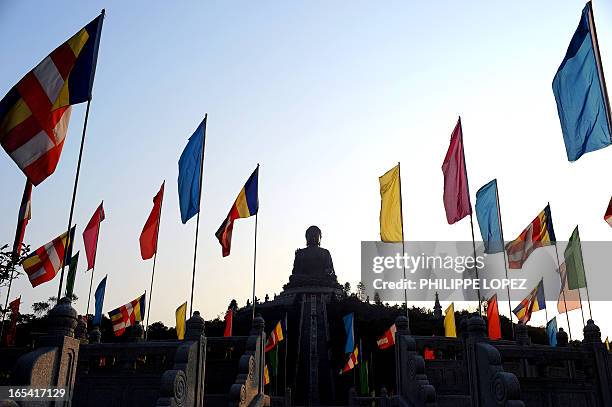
[364, 385]
[99, 296]
[539, 233]
[450, 330]
[429, 354]
[190, 174]
[580, 92]
[487, 213]
[148, 237]
[574, 262]
[456, 192]
[11, 333]
[266, 375]
[25, 214]
[388, 339]
[34, 114]
[127, 315]
[276, 336]
[246, 205]
[350, 336]
[74, 261]
[568, 300]
[273, 356]
[90, 236]
[391, 228]
[181, 317]
[607, 344]
[352, 361]
[493, 322]
[551, 331]
[43, 264]
[608, 215]
[535, 301]
[229, 322]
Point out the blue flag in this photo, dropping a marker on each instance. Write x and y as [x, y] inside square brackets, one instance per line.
[350, 336]
[581, 100]
[551, 331]
[190, 170]
[99, 295]
[488, 217]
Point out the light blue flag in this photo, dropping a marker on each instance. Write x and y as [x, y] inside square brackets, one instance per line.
[350, 336]
[488, 217]
[99, 295]
[581, 101]
[190, 165]
[551, 331]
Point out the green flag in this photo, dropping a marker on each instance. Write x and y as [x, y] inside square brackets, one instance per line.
[574, 263]
[273, 354]
[363, 378]
[71, 274]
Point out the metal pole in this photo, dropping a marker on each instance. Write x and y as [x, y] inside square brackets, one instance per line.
[255, 261]
[195, 248]
[563, 281]
[155, 258]
[286, 351]
[399, 176]
[585, 283]
[503, 242]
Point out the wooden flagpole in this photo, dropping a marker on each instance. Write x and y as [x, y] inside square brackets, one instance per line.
[161, 204]
[255, 247]
[399, 176]
[195, 248]
[94, 260]
[503, 242]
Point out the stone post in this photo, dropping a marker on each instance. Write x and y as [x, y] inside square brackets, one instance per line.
[95, 335]
[592, 342]
[562, 339]
[195, 330]
[80, 332]
[522, 335]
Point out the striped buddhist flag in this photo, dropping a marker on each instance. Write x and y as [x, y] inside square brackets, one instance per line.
[34, 114]
[539, 233]
[42, 265]
[388, 339]
[246, 205]
[535, 301]
[127, 315]
[25, 214]
[352, 361]
[276, 336]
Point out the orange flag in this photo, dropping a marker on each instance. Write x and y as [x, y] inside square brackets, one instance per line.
[229, 320]
[571, 300]
[148, 237]
[493, 318]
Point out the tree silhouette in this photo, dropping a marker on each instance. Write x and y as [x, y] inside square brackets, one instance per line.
[8, 265]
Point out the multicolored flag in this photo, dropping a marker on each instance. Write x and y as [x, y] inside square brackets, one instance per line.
[25, 214]
[487, 213]
[574, 262]
[493, 322]
[551, 331]
[350, 333]
[72, 267]
[539, 233]
[276, 336]
[190, 174]
[229, 322]
[44, 263]
[127, 315]
[580, 91]
[150, 231]
[181, 318]
[90, 236]
[390, 207]
[608, 215]
[456, 191]
[388, 339]
[99, 296]
[568, 300]
[450, 329]
[535, 301]
[246, 205]
[34, 114]
[11, 333]
[352, 361]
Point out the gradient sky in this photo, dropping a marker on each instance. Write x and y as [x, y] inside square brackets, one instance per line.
[326, 95]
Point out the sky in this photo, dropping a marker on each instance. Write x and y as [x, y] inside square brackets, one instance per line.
[326, 96]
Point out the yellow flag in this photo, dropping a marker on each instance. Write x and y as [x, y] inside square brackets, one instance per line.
[450, 331]
[607, 344]
[266, 375]
[181, 315]
[390, 206]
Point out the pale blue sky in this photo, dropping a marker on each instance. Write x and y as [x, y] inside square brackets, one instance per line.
[326, 95]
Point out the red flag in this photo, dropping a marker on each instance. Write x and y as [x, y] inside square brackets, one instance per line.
[456, 194]
[388, 339]
[25, 214]
[429, 354]
[90, 236]
[608, 215]
[148, 237]
[493, 318]
[9, 339]
[229, 320]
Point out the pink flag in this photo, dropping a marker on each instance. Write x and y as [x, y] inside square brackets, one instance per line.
[571, 300]
[90, 236]
[456, 194]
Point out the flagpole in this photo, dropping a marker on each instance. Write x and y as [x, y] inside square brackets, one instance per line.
[255, 247]
[154, 261]
[585, 283]
[93, 268]
[545, 307]
[563, 291]
[467, 185]
[8, 293]
[503, 242]
[195, 248]
[286, 351]
[399, 176]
